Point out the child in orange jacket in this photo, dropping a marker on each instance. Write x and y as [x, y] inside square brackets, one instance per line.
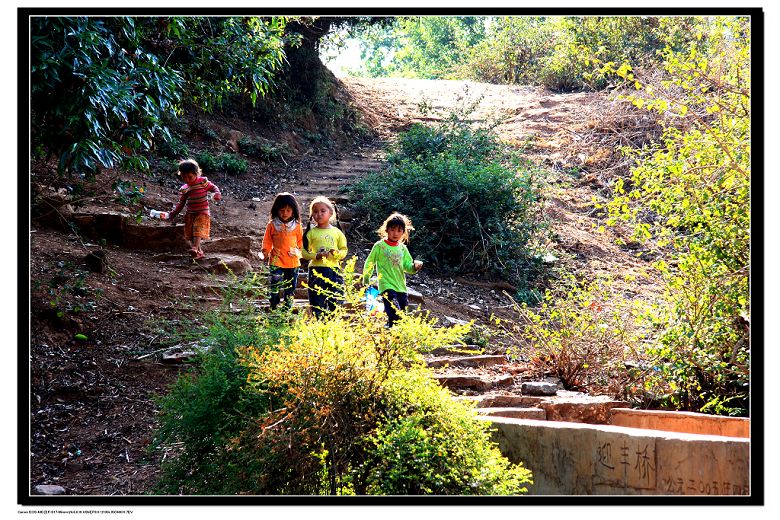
[282, 245]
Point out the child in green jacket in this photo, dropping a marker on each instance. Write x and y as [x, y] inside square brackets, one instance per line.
[393, 262]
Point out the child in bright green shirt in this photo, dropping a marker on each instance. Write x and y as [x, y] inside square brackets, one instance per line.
[393, 262]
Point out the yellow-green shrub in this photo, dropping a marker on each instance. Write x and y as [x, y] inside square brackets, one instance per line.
[330, 397]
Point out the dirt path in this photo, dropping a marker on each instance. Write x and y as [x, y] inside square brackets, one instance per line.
[91, 401]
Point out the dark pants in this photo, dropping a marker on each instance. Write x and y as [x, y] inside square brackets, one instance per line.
[394, 302]
[326, 290]
[283, 279]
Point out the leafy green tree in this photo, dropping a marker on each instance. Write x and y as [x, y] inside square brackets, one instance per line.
[226, 57]
[428, 47]
[97, 96]
[690, 193]
[512, 51]
[553, 51]
[103, 89]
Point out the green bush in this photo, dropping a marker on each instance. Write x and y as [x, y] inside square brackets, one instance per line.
[205, 408]
[305, 406]
[429, 443]
[471, 200]
[206, 161]
[261, 149]
[231, 164]
[174, 148]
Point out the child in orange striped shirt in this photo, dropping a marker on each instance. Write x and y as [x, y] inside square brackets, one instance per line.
[282, 245]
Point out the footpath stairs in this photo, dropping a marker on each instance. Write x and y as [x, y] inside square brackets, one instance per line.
[499, 387]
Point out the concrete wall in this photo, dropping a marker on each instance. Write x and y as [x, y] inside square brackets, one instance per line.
[686, 422]
[583, 459]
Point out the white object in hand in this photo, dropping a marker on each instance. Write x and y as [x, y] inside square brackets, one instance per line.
[163, 215]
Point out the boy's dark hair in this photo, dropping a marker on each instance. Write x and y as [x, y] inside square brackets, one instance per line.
[285, 199]
[189, 166]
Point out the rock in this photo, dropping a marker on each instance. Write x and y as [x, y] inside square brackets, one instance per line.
[48, 489]
[505, 380]
[53, 208]
[223, 264]
[341, 199]
[240, 246]
[509, 401]
[539, 388]
[462, 382]
[449, 322]
[97, 261]
[345, 215]
[154, 238]
[466, 361]
[178, 357]
[516, 413]
[450, 350]
[580, 411]
[233, 137]
[478, 383]
[182, 354]
[107, 226]
[414, 296]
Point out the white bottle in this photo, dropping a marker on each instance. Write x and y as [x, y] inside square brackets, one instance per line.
[163, 215]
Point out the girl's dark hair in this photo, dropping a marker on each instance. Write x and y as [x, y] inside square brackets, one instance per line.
[189, 166]
[285, 199]
[396, 220]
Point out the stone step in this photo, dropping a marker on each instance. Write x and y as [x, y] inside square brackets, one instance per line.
[297, 306]
[515, 413]
[478, 383]
[466, 361]
[455, 350]
[591, 410]
[508, 401]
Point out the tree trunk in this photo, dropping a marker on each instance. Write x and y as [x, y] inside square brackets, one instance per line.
[303, 73]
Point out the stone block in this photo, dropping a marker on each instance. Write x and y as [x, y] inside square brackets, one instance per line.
[514, 401]
[154, 238]
[238, 246]
[464, 382]
[455, 349]
[466, 361]
[510, 411]
[684, 422]
[581, 411]
[222, 264]
[414, 296]
[539, 388]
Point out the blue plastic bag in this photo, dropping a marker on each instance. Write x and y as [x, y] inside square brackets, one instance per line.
[373, 301]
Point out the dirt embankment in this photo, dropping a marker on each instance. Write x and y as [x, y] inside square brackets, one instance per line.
[91, 400]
